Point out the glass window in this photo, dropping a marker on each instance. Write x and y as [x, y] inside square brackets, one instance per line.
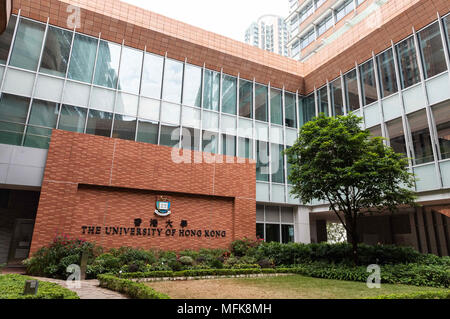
[351, 91]
[83, 58]
[290, 114]
[245, 98]
[308, 109]
[261, 103]
[192, 91]
[6, 38]
[322, 100]
[173, 79]
[245, 147]
[262, 161]
[337, 107]
[211, 90]
[409, 71]
[130, 70]
[13, 115]
[441, 114]
[287, 234]
[152, 76]
[272, 232]
[27, 45]
[368, 84]
[99, 123]
[147, 132]
[229, 94]
[347, 7]
[277, 160]
[376, 131]
[388, 79]
[42, 120]
[423, 152]
[72, 118]
[396, 136]
[276, 107]
[260, 230]
[446, 22]
[56, 52]
[190, 138]
[124, 127]
[228, 145]
[107, 68]
[432, 50]
[169, 136]
[209, 142]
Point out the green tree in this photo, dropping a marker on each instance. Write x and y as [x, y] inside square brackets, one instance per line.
[336, 161]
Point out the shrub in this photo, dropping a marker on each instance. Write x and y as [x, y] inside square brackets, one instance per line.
[244, 246]
[132, 289]
[186, 260]
[216, 264]
[266, 263]
[417, 295]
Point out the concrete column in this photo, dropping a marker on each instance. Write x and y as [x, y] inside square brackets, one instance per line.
[302, 225]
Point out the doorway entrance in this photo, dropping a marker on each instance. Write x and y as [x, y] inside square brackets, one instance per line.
[21, 241]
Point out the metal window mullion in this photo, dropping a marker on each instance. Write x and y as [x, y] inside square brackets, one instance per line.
[219, 142]
[181, 108]
[140, 93]
[330, 111]
[236, 147]
[35, 81]
[297, 111]
[117, 90]
[344, 94]
[92, 83]
[284, 147]
[269, 148]
[13, 40]
[427, 108]
[316, 105]
[201, 108]
[160, 98]
[378, 88]
[254, 121]
[65, 78]
[360, 83]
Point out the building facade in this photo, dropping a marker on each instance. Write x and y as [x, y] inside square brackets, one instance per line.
[124, 127]
[269, 33]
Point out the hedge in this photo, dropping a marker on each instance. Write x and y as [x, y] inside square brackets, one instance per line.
[198, 273]
[134, 290]
[417, 295]
[12, 287]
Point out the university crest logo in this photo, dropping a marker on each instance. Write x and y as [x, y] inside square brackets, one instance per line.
[162, 206]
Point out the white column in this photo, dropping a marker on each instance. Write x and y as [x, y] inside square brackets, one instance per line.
[302, 226]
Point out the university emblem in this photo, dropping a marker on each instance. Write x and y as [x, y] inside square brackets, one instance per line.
[162, 206]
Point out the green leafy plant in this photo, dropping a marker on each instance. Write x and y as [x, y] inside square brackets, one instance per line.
[132, 289]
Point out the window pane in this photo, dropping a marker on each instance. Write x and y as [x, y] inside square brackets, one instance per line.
[229, 94]
[152, 76]
[27, 45]
[99, 123]
[173, 76]
[308, 109]
[72, 118]
[376, 131]
[277, 160]
[368, 85]
[83, 58]
[396, 136]
[43, 118]
[388, 79]
[446, 22]
[245, 98]
[209, 142]
[432, 50]
[56, 52]
[276, 111]
[260, 231]
[6, 38]
[261, 102]
[262, 161]
[337, 106]
[13, 114]
[192, 91]
[147, 132]
[322, 100]
[272, 232]
[190, 139]
[291, 116]
[287, 234]
[245, 147]
[211, 90]
[228, 145]
[409, 71]
[130, 70]
[124, 127]
[423, 153]
[441, 116]
[169, 136]
[351, 91]
[107, 67]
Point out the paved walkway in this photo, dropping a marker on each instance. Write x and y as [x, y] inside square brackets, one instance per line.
[89, 289]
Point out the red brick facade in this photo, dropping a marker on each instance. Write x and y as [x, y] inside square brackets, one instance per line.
[100, 182]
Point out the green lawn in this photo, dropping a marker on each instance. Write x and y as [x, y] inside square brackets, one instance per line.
[282, 287]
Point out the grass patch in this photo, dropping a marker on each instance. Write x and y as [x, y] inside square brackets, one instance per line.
[12, 286]
[282, 287]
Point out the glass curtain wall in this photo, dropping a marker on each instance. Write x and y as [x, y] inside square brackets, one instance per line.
[337, 106]
[388, 78]
[351, 91]
[409, 70]
[432, 50]
[368, 84]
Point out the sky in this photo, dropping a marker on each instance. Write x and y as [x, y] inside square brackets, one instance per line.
[226, 17]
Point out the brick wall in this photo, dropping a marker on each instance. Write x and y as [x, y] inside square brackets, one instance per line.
[95, 181]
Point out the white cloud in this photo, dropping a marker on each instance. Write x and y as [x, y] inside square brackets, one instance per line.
[226, 17]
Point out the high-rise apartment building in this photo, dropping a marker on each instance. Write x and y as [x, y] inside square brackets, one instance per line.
[139, 130]
[268, 33]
